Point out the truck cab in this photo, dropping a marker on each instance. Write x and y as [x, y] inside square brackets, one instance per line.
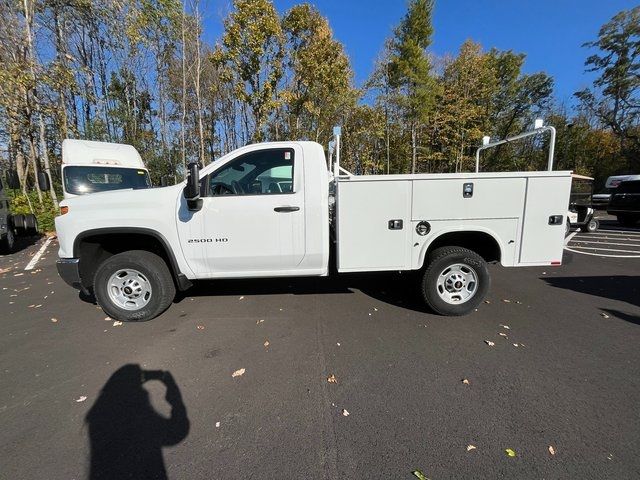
[92, 167]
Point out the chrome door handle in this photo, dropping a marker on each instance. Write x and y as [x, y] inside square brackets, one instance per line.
[286, 209]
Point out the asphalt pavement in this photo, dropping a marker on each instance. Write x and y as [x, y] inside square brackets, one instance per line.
[247, 392]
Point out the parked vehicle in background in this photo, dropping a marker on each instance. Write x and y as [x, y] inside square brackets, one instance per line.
[92, 167]
[602, 198]
[581, 213]
[12, 225]
[264, 211]
[625, 203]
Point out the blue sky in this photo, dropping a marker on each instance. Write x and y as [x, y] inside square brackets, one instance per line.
[549, 32]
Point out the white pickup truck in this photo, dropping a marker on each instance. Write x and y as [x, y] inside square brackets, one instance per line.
[265, 210]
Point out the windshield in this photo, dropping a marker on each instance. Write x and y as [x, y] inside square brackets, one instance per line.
[81, 180]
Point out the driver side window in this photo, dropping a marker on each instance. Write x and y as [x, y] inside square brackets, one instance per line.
[263, 172]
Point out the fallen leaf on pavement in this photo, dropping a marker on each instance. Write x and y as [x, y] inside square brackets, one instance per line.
[503, 335]
[604, 315]
[465, 381]
[259, 321]
[489, 342]
[18, 274]
[107, 319]
[241, 298]
[117, 323]
[419, 475]
[506, 327]
[266, 343]
[238, 373]
[487, 301]
[338, 344]
[471, 447]
[516, 345]
[552, 450]
[81, 399]
[510, 452]
[54, 320]
[217, 424]
[200, 327]
[332, 379]
[505, 300]
[345, 413]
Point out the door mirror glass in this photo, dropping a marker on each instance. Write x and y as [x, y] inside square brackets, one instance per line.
[43, 181]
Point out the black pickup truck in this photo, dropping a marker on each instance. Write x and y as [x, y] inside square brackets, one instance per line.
[625, 203]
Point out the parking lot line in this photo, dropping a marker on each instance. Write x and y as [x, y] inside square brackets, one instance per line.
[600, 242]
[600, 254]
[616, 232]
[607, 249]
[607, 233]
[38, 255]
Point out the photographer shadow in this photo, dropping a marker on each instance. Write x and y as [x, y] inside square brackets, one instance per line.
[126, 433]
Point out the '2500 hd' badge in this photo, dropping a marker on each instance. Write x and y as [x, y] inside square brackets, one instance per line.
[207, 240]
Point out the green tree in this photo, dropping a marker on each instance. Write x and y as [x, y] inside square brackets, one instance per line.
[410, 69]
[614, 98]
[319, 89]
[253, 48]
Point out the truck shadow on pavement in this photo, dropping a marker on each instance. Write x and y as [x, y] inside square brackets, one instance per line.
[392, 288]
[126, 434]
[623, 288]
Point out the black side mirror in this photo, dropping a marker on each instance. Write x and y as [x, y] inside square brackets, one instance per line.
[43, 181]
[192, 188]
[13, 182]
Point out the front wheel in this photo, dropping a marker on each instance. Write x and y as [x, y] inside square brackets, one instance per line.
[591, 226]
[455, 281]
[134, 286]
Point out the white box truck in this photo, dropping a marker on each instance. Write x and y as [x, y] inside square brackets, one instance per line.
[264, 210]
[92, 167]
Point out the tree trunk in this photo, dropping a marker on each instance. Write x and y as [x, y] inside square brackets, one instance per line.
[183, 118]
[43, 142]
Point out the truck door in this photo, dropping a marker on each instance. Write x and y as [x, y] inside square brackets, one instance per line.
[252, 218]
[544, 219]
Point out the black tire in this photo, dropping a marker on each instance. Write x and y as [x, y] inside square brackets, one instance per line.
[155, 272]
[30, 224]
[18, 224]
[591, 226]
[439, 260]
[8, 242]
[627, 220]
[567, 228]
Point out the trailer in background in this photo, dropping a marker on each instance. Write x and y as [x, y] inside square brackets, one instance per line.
[92, 167]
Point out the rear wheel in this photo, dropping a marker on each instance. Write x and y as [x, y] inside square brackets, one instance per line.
[567, 227]
[455, 281]
[591, 226]
[18, 224]
[134, 286]
[8, 243]
[30, 224]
